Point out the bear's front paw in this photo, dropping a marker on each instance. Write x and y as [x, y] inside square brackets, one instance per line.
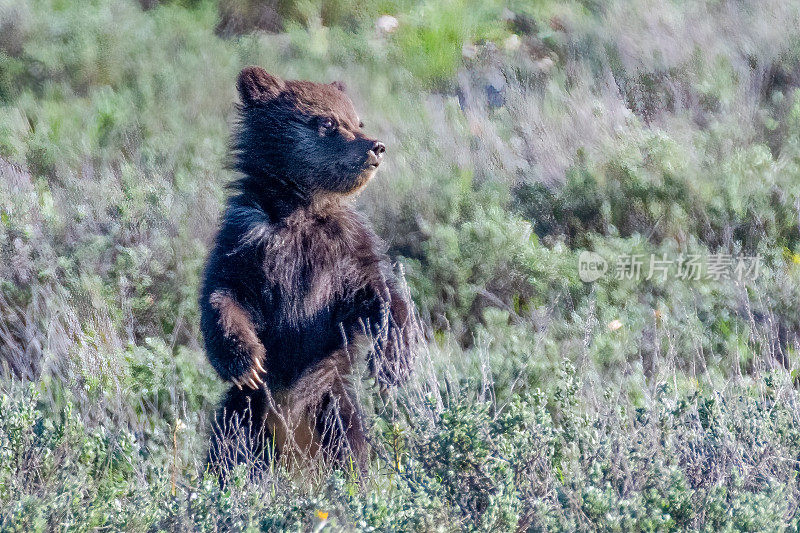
[253, 377]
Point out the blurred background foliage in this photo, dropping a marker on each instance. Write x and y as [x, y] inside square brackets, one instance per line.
[519, 134]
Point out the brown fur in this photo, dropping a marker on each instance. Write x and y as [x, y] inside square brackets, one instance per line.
[298, 424]
[344, 258]
[236, 324]
[298, 287]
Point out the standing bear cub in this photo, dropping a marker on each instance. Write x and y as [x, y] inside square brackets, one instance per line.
[298, 289]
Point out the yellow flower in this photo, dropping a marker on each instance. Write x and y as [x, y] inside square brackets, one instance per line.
[322, 515]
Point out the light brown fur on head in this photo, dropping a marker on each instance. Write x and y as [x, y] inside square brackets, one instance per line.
[313, 99]
[324, 100]
[304, 134]
[256, 85]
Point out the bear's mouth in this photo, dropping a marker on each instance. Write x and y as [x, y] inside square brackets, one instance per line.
[368, 172]
[372, 160]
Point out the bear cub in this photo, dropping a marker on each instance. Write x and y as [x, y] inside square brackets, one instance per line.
[297, 288]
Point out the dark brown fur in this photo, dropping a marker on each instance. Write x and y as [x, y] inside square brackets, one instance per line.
[298, 288]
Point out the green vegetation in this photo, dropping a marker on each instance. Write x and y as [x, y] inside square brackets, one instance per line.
[519, 135]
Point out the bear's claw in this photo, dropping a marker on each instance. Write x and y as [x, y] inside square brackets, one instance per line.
[252, 378]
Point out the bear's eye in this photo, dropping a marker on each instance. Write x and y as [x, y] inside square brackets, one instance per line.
[326, 126]
[361, 124]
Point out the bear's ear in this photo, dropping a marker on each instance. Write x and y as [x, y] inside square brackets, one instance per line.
[256, 85]
[339, 85]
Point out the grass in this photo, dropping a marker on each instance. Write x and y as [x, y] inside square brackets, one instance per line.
[519, 135]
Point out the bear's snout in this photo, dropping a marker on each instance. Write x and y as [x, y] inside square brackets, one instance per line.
[375, 154]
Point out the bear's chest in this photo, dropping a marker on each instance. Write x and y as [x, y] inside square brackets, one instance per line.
[313, 262]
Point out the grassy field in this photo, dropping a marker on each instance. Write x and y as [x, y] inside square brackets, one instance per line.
[520, 136]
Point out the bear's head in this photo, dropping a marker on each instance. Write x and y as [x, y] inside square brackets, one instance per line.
[302, 135]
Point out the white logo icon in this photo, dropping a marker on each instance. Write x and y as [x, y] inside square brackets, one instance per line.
[591, 266]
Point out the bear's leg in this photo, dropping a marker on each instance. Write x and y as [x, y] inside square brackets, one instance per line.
[323, 392]
[292, 426]
[341, 429]
[239, 435]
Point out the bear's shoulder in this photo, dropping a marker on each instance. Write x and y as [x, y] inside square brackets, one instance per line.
[245, 224]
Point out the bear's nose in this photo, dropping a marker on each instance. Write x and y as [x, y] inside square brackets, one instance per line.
[375, 153]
